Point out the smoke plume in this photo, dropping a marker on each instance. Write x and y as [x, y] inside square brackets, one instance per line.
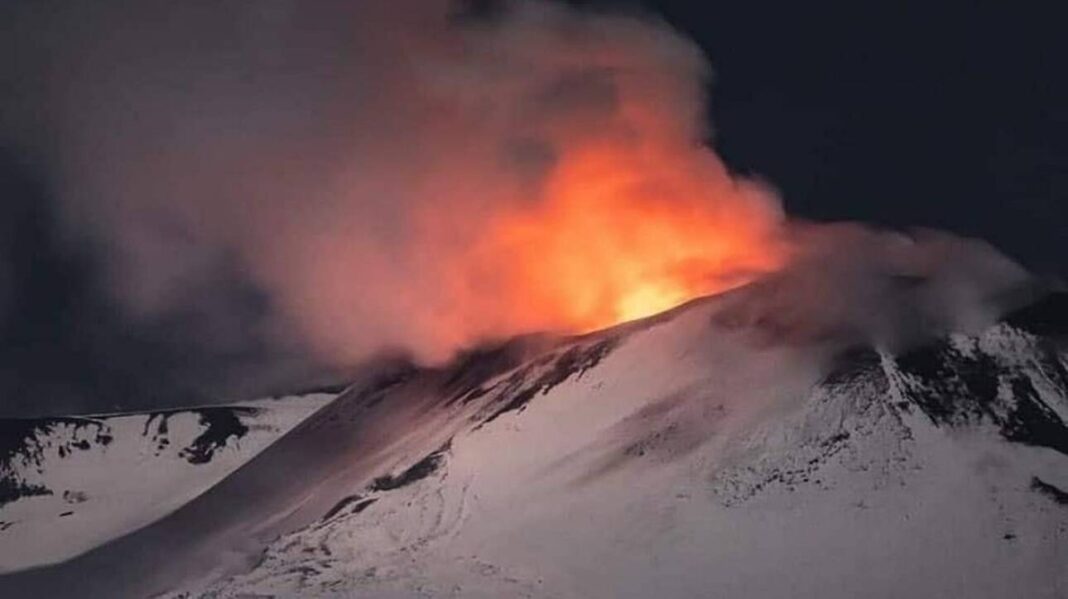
[406, 174]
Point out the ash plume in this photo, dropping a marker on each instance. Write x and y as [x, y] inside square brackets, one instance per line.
[339, 179]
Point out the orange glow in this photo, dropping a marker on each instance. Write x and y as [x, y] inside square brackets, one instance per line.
[545, 171]
[620, 233]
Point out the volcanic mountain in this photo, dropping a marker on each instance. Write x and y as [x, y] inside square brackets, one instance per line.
[68, 484]
[709, 451]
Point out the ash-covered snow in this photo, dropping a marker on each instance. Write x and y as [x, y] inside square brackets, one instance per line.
[70, 484]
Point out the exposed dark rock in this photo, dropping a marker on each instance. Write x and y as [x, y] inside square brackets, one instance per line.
[576, 360]
[13, 490]
[954, 389]
[854, 362]
[1057, 495]
[418, 471]
[471, 370]
[160, 418]
[15, 437]
[360, 502]
[22, 437]
[1032, 422]
[220, 425]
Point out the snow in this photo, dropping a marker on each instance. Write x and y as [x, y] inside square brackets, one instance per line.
[698, 462]
[111, 474]
[683, 456]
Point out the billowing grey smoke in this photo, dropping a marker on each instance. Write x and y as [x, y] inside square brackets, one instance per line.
[850, 282]
[349, 158]
[265, 180]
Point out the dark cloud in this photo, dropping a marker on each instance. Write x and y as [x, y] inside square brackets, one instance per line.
[203, 200]
[67, 345]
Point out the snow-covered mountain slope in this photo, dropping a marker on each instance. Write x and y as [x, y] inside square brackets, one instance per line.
[699, 453]
[939, 472]
[70, 484]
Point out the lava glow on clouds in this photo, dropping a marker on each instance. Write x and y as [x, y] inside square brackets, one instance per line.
[624, 232]
[403, 174]
[604, 202]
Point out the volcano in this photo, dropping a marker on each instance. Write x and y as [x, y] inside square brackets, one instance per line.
[696, 453]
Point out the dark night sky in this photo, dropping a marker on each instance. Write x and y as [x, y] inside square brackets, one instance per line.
[907, 113]
[937, 114]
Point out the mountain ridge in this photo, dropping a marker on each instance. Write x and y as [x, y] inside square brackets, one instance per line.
[730, 422]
